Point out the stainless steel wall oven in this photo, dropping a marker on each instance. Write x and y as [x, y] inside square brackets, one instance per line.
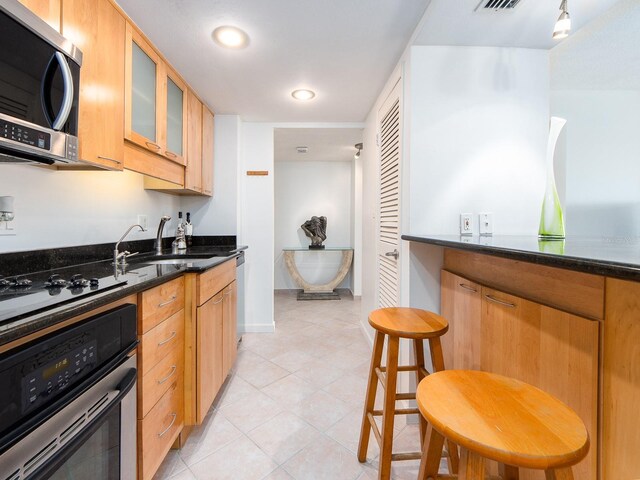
[68, 402]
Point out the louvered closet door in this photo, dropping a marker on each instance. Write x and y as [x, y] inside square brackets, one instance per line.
[389, 139]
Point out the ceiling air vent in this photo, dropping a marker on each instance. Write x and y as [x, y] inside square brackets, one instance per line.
[497, 5]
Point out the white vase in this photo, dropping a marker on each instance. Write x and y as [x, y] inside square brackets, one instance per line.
[551, 218]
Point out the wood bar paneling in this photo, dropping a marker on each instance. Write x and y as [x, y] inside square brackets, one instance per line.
[575, 292]
[621, 384]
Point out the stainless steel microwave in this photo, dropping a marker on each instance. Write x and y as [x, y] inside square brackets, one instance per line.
[39, 90]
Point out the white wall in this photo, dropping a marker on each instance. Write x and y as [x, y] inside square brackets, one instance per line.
[479, 123]
[65, 208]
[257, 227]
[304, 189]
[218, 215]
[602, 162]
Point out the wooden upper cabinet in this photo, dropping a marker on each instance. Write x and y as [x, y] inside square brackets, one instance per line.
[155, 103]
[143, 93]
[98, 29]
[207, 151]
[193, 172]
[550, 349]
[176, 116]
[47, 10]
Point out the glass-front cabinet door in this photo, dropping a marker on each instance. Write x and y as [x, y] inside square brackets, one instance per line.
[175, 117]
[142, 93]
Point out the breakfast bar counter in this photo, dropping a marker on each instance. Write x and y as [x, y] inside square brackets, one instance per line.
[561, 315]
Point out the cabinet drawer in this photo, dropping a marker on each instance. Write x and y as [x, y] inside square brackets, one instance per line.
[160, 302]
[155, 383]
[214, 280]
[158, 430]
[158, 342]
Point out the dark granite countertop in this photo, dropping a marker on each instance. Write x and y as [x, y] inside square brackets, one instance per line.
[610, 256]
[138, 276]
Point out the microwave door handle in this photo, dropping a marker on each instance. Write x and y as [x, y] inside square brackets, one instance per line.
[67, 99]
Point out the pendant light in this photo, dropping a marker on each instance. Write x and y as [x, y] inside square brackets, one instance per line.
[563, 25]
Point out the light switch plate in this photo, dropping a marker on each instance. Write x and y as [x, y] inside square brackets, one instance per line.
[466, 224]
[485, 221]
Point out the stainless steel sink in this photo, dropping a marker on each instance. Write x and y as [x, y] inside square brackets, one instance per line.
[174, 261]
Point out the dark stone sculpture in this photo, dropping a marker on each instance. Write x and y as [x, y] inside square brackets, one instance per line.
[316, 230]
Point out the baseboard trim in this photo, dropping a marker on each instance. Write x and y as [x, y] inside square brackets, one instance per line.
[259, 328]
[366, 332]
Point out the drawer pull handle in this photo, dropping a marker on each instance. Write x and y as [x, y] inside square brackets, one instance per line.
[173, 420]
[117, 162]
[227, 293]
[219, 301]
[155, 146]
[468, 287]
[170, 154]
[171, 300]
[173, 370]
[173, 334]
[500, 302]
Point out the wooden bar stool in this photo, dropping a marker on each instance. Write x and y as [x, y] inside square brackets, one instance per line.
[396, 323]
[498, 418]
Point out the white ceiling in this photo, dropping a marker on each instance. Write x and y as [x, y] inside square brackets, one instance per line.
[605, 55]
[343, 49]
[325, 144]
[529, 25]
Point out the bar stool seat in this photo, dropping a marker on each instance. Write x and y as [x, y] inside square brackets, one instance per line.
[408, 323]
[392, 324]
[502, 419]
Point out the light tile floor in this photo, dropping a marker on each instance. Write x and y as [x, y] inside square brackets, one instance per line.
[292, 407]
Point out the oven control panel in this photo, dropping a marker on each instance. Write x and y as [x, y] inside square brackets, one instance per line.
[54, 370]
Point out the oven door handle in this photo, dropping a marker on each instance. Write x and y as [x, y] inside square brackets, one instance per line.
[61, 456]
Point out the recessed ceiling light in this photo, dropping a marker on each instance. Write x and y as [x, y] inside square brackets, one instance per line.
[303, 94]
[230, 37]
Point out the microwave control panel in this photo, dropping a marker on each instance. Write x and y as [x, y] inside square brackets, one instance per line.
[25, 135]
[56, 370]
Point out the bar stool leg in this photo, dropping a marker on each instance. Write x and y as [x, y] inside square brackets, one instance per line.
[559, 474]
[418, 351]
[431, 454]
[370, 399]
[508, 472]
[437, 360]
[389, 408]
[471, 466]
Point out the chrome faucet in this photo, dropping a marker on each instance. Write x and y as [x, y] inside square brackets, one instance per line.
[122, 256]
[158, 243]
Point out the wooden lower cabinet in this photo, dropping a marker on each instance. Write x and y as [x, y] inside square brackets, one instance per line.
[217, 346]
[461, 306]
[209, 353]
[230, 328]
[158, 430]
[553, 350]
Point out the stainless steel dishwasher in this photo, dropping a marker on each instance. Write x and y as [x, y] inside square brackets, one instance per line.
[240, 289]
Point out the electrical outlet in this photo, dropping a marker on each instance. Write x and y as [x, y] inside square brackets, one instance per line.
[143, 221]
[485, 221]
[466, 224]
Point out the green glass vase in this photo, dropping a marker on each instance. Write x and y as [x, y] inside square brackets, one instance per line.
[551, 217]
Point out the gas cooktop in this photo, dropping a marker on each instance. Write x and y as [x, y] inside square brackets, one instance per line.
[28, 294]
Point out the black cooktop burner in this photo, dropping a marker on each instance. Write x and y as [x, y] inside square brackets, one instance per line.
[29, 294]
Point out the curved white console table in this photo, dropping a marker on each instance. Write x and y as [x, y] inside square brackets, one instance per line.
[311, 291]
